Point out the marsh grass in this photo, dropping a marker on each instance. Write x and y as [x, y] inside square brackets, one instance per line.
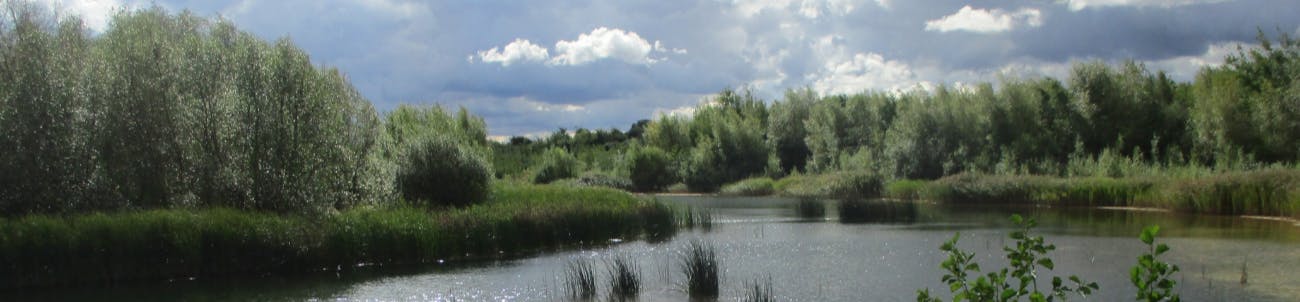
[700, 265]
[579, 280]
[692, 217]
[852, 184]
[759, 291]
[1274, 191]
[625, 279]
[862, 211]
[758, 186]
[104, 248]
[810, 208]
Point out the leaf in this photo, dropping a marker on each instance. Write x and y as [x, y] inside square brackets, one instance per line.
[1161, 248]
[1056, 282]
[1149, 234]
[1007, 294]
[1037, 297]
[1046, 262]
[1015, 218]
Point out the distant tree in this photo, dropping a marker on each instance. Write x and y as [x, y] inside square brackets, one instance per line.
[650, 169]
[786, 131]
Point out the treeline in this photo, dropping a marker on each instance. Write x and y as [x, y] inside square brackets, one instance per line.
[174, 110]
[1103, 120]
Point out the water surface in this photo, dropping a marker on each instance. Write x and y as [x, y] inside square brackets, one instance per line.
[817, 259]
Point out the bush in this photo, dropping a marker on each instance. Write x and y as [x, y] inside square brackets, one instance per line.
[597, 179]
[650, 169]
[834, 185]
[556, 164]
[758, 186]
[440, 172]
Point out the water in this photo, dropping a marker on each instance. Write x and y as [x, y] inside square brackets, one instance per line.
[821, 259]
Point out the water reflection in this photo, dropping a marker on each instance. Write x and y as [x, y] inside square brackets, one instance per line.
[883, 253]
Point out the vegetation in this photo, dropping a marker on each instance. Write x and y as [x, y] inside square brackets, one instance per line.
[858, 211]
[1017, 281]
[651, 169]
[758, 186]
[759, 292]
[625, 279]
[580, 280]
[556, 164]
[1153, 278]
[155, 244]
[438, 171]
[700, 265]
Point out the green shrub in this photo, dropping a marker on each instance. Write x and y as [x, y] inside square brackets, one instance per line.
[440, 172]
[556, 164]
[650, 168]
[597, 179]
[905, 189]
[853, 185]
[758, 186]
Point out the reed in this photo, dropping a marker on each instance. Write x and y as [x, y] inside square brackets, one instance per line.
[579, 280]
[625, 279]
[760, 291]
[104, 248]
[700, 265]
[758, 186]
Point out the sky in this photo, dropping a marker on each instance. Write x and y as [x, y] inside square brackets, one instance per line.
[531, 67]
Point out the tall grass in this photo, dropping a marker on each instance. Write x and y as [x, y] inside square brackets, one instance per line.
[157, 244]
[579, 280]
[758, 186]
[855, 184]
[625, 279]
[1272, 191]
[759, 291]
[692, 217]
[700, 265]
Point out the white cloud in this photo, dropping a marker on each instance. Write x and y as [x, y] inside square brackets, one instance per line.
[524, 102]
[985, 20]
[1077, 5]
[602, 43]
[95, 14]
[843, 73]
[518, 51]
[811, 9]
[1184, 68]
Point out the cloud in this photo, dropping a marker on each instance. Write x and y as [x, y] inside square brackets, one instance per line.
[1077, 5]
[844, 73]
[518, 51]
[95, 14]
[985, 20]
[603, 43]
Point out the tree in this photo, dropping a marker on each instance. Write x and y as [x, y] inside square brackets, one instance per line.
[786, 131]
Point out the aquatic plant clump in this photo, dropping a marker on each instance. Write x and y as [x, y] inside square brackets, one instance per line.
[101, 248]
[700, 265]
[580, 280]
[625, 279]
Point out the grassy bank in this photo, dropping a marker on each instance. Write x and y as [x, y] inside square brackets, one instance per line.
[104, 248]
[1271, 192]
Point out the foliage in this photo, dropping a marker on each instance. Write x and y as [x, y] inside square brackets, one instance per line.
[1152, 277]
[102, 248]
[758, 186]
[650, 169]
[556, 164]
[1018, 281]
[849, 185]
[440, 172]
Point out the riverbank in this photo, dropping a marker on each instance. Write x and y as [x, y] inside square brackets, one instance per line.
[1269, 192]
[106, 248]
